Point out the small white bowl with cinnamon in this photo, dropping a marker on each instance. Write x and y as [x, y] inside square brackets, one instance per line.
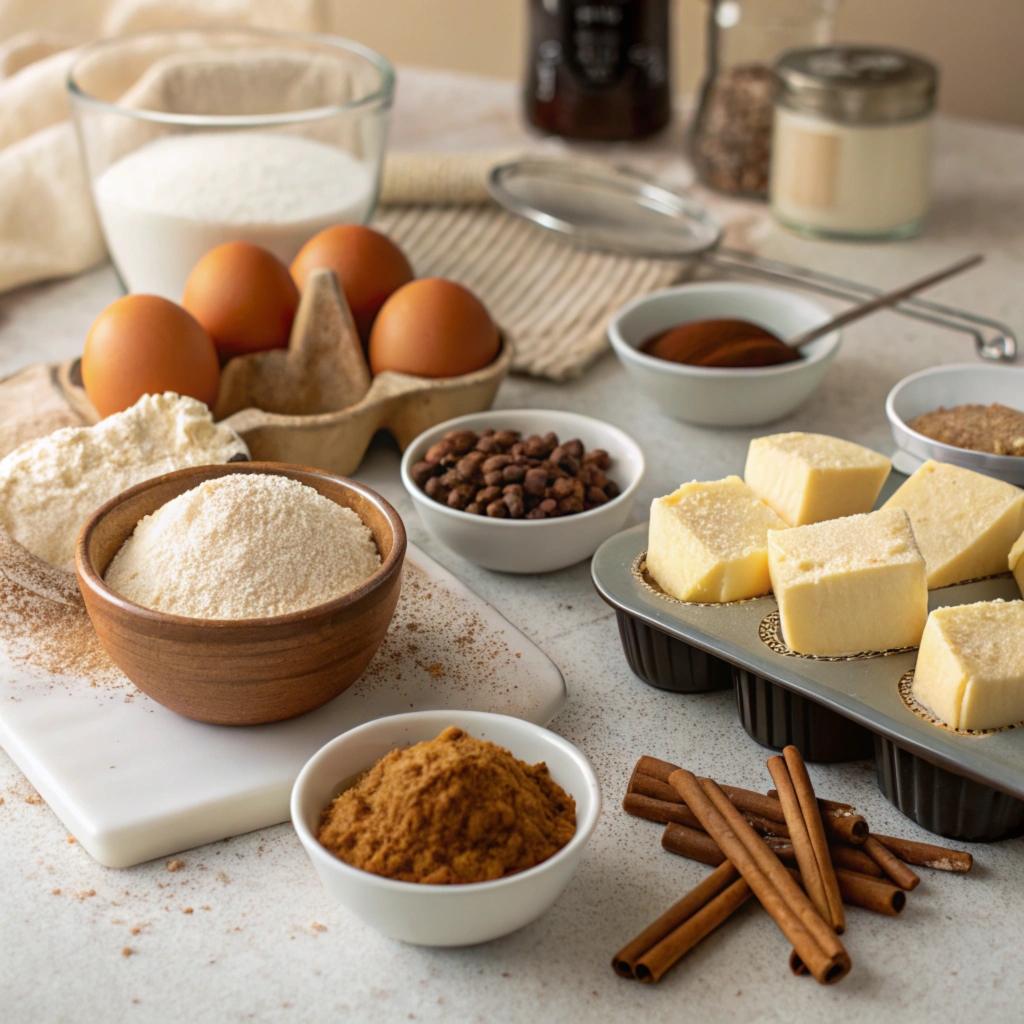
[458, 914]
[724, 395]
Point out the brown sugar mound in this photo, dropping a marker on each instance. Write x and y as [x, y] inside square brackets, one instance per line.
[982, 428]
[450, 810]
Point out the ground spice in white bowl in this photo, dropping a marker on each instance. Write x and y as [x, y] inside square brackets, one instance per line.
[247, 545]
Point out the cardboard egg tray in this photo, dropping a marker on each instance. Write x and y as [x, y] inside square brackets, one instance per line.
[313, 404]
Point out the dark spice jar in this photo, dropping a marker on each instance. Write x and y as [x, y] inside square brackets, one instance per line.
[732, 129]
[598, 70]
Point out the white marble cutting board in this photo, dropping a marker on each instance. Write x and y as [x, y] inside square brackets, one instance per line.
[133, 781]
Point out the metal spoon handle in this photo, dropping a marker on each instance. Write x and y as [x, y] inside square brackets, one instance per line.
[881, 301]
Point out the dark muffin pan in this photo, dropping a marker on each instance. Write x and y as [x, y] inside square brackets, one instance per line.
[959, 786]
[776, 717]
[661, 660]
[943, 802]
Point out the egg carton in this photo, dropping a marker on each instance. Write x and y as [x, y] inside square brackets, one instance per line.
[315, 402]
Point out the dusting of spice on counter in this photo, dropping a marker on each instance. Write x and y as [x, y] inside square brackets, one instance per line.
[451, 810]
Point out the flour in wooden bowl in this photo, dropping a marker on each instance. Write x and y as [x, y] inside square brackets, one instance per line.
[246, 545]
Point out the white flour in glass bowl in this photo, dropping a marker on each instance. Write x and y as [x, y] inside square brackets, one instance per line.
[167, 204]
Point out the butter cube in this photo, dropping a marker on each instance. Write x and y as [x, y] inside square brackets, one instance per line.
[965, 523]
[970, 669]
[709, 541]
[808, 478]
[849, 585]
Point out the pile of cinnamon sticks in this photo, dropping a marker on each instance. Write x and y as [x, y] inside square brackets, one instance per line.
[753, 841]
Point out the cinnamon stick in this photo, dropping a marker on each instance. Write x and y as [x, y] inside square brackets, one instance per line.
[842, 856]
[688, 842]
[870, 893]
[837, 960]
[650, 775]
[664, 811]
[624, 962]
[816, 943]
[647, 785]
[810, 870]
[853, 885]
[853, 858]
[816, 831]
[658, 810]
[655, 768]
[656, 961]
[925, 855]
[895, 869]
[841, 820]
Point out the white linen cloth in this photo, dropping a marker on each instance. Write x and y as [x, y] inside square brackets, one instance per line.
[47, 224]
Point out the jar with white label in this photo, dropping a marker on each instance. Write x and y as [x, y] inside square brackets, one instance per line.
[852, 142]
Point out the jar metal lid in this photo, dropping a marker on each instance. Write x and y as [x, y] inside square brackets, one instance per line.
[857, 84]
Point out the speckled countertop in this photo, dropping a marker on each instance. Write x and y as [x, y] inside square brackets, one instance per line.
[241, 930]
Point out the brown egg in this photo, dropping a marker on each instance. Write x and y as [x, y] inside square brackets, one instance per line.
[245, 298]
[433, 328]
[370, 267]
[141, 345]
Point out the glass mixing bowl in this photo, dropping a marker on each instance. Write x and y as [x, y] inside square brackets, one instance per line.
[192, 138]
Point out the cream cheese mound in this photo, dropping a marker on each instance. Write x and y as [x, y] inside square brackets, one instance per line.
[50, 486]
[246, 545]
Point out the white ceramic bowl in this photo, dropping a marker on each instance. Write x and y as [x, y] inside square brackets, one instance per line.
[530, 545]
[958, 384]
[717, 397]
[444, 915]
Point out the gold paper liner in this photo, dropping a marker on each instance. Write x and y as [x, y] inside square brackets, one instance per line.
[905, 688]
[647, 581]
[770, 632]
[976, 579]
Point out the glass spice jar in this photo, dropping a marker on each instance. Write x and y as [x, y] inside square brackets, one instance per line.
[598, 70]
[851, 152]
[732, 128]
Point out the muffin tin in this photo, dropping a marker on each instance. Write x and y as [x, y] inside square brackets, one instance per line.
[960, 786]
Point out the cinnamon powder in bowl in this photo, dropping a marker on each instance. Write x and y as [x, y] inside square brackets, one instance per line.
[478, 808]
[450, 810]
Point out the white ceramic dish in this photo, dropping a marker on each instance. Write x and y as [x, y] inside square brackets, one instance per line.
[444, 915]
[530, 546]
[959, 384]
[717, 397]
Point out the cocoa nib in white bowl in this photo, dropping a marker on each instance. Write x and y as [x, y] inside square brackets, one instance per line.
[524, 545]
[724, 396]
[444, 915]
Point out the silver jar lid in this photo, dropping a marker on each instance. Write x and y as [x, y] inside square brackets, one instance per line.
[857, 84]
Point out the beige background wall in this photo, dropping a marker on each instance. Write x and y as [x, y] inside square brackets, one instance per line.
[979, 44]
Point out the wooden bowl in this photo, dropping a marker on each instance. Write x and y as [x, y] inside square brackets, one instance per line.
[241, 671]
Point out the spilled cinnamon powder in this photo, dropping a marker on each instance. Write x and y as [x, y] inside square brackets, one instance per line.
[43, 622]
[450, 810]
